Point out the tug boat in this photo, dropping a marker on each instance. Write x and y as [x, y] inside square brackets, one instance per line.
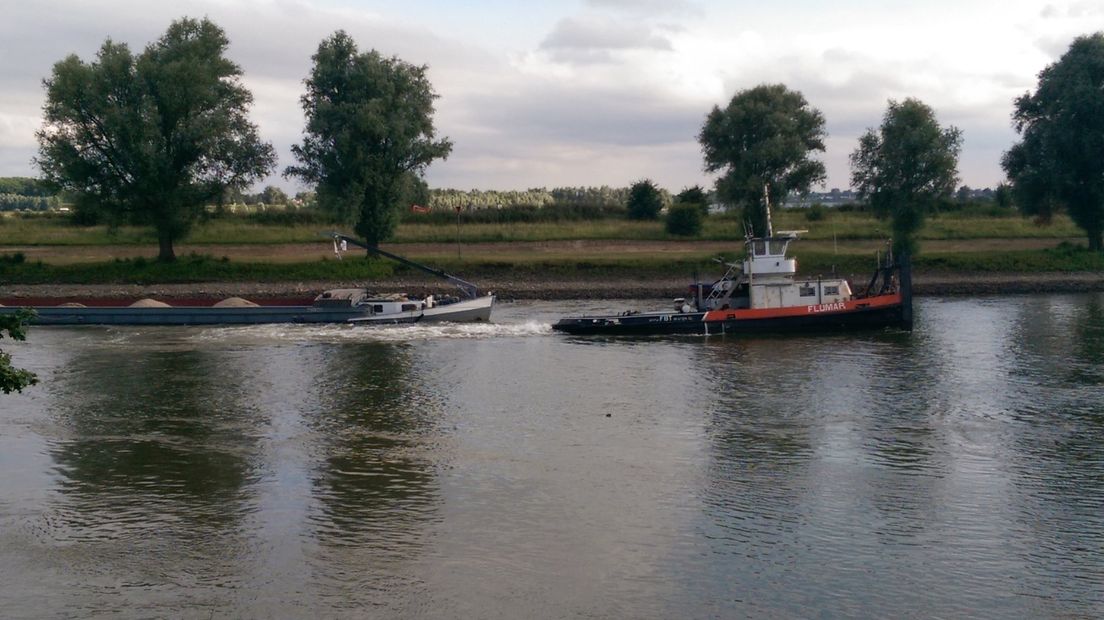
[762, 294]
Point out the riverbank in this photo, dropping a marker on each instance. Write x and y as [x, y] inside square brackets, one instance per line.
[925, 284]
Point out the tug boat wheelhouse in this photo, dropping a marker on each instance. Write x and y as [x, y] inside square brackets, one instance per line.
[763, 294]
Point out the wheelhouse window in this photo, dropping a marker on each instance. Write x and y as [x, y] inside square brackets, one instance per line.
[831, 290]
[377, 308]
[807, 290]
[760, 248]
[409, 307]
[778, 247]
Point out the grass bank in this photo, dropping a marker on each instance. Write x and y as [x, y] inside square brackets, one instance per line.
[188, 269]
[57, 231]
[520, 268]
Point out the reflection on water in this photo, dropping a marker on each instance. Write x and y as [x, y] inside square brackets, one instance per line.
[503, 471]
[373, 479]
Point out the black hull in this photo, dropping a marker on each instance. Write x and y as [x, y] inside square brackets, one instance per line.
[663, 323]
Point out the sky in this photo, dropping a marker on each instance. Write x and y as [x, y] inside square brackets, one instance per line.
[591, 92]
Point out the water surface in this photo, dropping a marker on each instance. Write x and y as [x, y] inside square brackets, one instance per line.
[503, 471]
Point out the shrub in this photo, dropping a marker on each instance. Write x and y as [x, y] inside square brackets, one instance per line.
[290, 217]
[518, 214]
[684, 219]
[816, 212]
[645, 201]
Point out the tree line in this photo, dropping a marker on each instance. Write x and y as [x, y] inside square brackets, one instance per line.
[154, 137]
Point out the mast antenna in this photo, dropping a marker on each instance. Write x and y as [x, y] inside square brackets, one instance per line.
[766, 204]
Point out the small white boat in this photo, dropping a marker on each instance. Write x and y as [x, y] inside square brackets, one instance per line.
[400, 308]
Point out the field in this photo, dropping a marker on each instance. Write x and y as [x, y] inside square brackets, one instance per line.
[36, 231]
[50, 250]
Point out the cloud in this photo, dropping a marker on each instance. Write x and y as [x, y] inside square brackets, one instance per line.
[273, 66]
[604, 91]
[584, 41]
[648, 7]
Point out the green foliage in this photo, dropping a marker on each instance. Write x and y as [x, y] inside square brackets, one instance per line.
[694, 195]
[1002, 196]
[645, 201]
[369, 127]
[25, 186]
[14, 379]
[288, 217]
[22, 202]
[517, 214]
[763, 139]
[816, 212]
[1058, 165]
[451, 199]
[604, 199]
[272, 195]
[151, 139]
[905, 167]
[193, 268]
[684, 219]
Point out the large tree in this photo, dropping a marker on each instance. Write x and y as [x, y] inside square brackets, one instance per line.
[645, 200]
[905, 167]
[14, 379]
[1060, 162]
[154, 138]
[764, 138]
[369, 126]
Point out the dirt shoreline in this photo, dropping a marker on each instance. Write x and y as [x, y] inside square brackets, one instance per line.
[925, 284]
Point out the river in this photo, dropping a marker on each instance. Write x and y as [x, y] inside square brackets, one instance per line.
[503, 471]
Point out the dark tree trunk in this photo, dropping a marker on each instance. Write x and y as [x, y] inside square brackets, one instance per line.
[166, 253]
[1096, 240]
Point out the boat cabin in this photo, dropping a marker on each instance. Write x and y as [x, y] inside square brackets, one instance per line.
[395, 303]
[766, 279]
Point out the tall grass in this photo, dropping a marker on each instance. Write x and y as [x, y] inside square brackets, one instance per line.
[832, 224]
[207, 269]
[191, 269]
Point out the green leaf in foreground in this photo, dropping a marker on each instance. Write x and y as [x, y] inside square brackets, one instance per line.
[14, 379]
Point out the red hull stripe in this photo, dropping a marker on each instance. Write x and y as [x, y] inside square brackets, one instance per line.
[840, 307]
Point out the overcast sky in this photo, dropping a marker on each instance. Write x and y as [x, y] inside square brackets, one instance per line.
[592, 92]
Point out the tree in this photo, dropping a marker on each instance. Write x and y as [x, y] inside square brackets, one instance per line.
[14, 379]
[685, 219]
[272, 195]
[763, 138]
[413, 190]
[963, 194]
[1058, 165]
[905, 167]
[645, 201]
[152, 139]
[694, 196]
[369, 124]
[24, 186]
[1003, 196]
